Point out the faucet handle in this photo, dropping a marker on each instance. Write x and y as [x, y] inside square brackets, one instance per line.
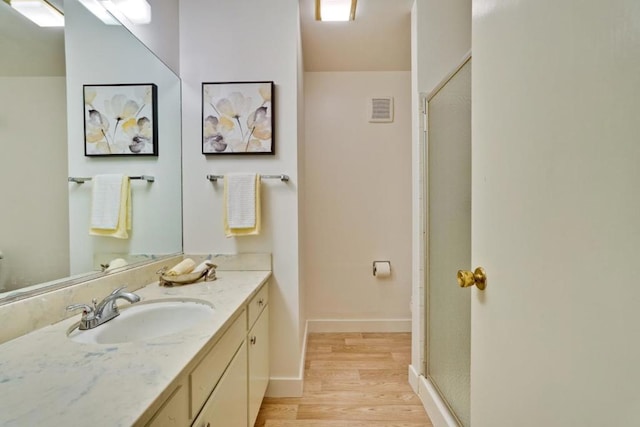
[86, 309]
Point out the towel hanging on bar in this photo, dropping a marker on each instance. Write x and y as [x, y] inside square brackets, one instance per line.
[241, 208]
[111, 206]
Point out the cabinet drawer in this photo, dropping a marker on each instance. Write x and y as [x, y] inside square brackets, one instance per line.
[206, 375]
[258, 304]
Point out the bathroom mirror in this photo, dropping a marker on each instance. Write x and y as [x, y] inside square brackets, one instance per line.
[44, 220]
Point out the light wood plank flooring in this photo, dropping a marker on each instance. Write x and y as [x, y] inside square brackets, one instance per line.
[351, 380]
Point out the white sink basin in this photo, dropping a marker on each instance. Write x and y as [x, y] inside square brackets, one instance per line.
[146, 320]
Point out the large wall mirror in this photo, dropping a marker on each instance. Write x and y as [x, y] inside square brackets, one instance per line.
[44, 219]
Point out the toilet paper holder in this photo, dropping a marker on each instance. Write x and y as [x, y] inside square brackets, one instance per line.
[373, 266]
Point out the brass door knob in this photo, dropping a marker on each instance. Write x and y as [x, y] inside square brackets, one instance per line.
[467, 278]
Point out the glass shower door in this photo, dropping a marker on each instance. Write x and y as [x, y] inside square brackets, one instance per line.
[448, 324]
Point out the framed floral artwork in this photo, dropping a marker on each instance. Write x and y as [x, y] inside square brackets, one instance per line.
[120, 120]
[237, 118]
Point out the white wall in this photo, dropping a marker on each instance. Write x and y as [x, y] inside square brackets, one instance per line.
[357, 200]
[247, 40]
[441, 36]
[101, 54]
[33, 170]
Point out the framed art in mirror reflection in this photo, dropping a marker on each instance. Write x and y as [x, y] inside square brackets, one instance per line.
[120, 120]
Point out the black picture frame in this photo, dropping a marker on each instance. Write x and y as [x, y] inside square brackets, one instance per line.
[238, 118]
[120, 119]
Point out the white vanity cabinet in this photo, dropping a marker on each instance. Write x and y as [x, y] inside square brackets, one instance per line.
[196, 387]
[225, 387]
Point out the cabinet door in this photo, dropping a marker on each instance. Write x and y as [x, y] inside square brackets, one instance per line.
[227, 405]
[205, 376]
[175, 411]
[258, 363]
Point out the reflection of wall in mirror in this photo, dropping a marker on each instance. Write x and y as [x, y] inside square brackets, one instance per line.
[161, 35]
[33, 164]
[101, 54]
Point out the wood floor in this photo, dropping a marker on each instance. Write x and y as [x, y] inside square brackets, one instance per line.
[351, 380]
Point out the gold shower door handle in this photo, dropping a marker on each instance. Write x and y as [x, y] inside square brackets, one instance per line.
[467, 278]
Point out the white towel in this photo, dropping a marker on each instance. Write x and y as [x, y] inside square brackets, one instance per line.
[204, 265]
[105, 201]
[241, 200]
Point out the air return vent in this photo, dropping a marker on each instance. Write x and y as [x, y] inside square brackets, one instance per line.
[381, 109]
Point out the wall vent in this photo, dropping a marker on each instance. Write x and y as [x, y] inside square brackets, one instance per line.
[381, 109]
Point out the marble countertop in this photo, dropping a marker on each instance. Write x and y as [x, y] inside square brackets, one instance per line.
[48, 379]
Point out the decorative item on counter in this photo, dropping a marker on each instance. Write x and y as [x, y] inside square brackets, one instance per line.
[183, 267]
[204, 265]
[185, 273]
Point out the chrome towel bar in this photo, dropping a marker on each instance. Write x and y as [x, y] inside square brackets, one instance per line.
[283, 178]
[79, 180]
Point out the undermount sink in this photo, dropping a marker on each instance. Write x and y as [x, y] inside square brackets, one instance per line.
[146, 320]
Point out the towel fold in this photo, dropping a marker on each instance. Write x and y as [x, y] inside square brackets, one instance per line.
[111, 206]
[184, 267]
[241, 209]
[115, 264]
[205, 265]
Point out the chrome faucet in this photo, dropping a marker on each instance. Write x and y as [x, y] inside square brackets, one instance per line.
[105, 310]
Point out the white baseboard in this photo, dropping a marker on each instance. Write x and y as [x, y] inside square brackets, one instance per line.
[284, 387]
[414, 378]
[290, 386]
[434, 405]
[368, 325]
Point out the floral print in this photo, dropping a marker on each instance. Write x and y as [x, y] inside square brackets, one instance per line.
[139, 133]
[118, 119]
[214, 139]
[97, 126]
[237, 117]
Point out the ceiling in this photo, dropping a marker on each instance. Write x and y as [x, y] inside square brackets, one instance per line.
[378, 40]
[29, 50]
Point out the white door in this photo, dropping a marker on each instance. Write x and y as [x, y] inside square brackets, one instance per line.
[556, 213]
